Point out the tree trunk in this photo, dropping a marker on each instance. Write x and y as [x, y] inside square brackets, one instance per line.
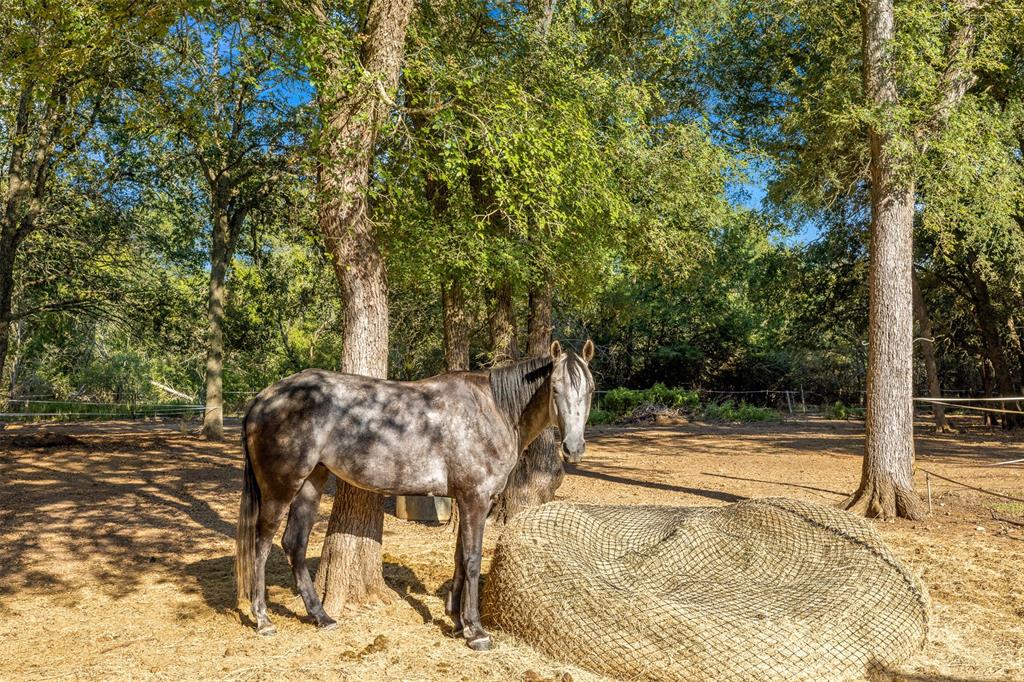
[213, 414]
[988, 389]
[538, 323]
[503, 325]
[539, 472]
[350, 565]
[924, 325]
[887, 479]
[988, 324]
[15, 374]
[453, 296]
[1018, 345]
[15, 221]
[8, 251]
[456, 327]
[534, 481]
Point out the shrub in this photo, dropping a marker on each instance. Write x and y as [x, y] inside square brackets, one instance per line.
[722, 411]
[622, 401]
[753, 413]
[660, 394]
[728, 411]
[836, 410]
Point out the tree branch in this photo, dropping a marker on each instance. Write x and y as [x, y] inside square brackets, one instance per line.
[957, 78]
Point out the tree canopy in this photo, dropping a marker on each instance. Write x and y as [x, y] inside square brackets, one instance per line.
[614, 152]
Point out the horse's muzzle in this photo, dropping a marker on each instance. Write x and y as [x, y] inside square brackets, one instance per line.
[573, 455]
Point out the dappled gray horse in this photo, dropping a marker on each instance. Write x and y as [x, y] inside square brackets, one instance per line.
[458, 434]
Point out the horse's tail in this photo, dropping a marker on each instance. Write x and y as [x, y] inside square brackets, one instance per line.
[248, 517]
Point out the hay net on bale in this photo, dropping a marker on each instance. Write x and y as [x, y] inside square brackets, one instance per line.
[769, 589]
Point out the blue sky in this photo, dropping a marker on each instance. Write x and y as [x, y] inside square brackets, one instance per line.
[752, 194]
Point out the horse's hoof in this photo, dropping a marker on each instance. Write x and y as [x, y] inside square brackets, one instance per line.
[480, 643]
[266, 630]
[327, 625]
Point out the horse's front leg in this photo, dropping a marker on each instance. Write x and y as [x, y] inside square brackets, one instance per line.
[453, 604]
[473, 515]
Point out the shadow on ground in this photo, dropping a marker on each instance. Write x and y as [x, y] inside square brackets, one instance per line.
[122, 504]
[616, 475]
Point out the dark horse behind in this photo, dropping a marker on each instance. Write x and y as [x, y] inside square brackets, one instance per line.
[457, 434]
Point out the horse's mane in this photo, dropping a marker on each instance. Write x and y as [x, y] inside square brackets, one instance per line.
[577, 370]
[514, 386]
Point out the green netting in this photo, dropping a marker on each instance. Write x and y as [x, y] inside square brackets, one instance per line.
[769, 589]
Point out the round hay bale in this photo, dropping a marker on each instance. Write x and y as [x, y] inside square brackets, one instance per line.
[769, 589]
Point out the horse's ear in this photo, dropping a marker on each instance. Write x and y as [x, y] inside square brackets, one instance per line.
[588, 351]
[556, 349]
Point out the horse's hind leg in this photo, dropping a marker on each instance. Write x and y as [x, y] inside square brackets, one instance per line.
[296, 540]
[272, 510]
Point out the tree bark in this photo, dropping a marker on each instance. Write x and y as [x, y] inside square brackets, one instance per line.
[8, 251]
[1018, 345]
[539, 472]
[538, 322]
[502, 322]
[924, 325]
[988, 389]
[213, 413]
[887, 478]
[987, 317]
[456, 327]
[350, 566]
[534, 481]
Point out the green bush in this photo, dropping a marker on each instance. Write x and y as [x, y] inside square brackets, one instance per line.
[728, 411]
[660, 394]
[753, 413]
[622, 401]
[723, 411]
[840, 411]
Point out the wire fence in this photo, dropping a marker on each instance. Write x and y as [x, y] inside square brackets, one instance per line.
[791, 401]
[63, 410]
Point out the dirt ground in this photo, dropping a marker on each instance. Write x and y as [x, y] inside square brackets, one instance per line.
[116, 549]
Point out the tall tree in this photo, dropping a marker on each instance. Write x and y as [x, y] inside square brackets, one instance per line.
[785, 74]
[62, 62]
[354, 104]
[887, 480]
[218, 97]
[886, 489]
[538, 473]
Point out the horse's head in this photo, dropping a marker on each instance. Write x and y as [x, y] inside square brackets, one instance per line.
[572, 387]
